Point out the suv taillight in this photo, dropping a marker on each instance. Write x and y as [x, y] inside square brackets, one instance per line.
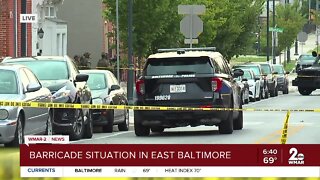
[216, 84]
[140, 86]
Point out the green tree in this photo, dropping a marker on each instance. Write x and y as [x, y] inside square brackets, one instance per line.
[289, 18]
[228, 25]
[155, 25]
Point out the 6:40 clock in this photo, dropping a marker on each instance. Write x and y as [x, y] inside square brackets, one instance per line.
[270, 151]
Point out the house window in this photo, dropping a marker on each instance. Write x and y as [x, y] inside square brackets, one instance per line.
[50, 12]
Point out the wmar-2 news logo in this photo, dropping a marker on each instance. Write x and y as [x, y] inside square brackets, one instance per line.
[296, 157]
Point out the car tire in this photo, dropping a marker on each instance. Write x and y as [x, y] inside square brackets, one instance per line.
[304, 92]
[124, 126]
[77, 125]
[109, 127]
[139, 129]
[266, 92]
[18, 135]
[276, 92]
[49, 127]
[273, 93]
[226, 126]
[252, 99]
[262, 93]
[157, 129]
[238, 122]
[286, 91]
[88, 132]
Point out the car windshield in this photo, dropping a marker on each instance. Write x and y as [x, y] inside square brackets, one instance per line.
[265, 69]
[177, 66]
[8, 82]
[97, 81]
[255, 69]
[278, 69]
[307, 58]
[247, 75]
[48, 70]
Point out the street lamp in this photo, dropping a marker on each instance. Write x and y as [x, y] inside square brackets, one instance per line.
[40, 33]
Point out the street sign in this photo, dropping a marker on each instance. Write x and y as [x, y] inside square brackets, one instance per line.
[191, 26]
[191, 9]
[280, 30]
[196, 27]
[28, 18]
[194, 41]
[302, 36]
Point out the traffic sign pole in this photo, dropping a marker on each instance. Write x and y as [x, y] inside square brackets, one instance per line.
[191, 27]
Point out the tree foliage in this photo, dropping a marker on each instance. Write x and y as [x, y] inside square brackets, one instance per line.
[228, 25]
[289, 18]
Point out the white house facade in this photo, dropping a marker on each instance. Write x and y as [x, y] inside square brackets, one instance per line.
[49, 35]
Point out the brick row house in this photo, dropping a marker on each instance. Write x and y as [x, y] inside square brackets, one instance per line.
[15, 37]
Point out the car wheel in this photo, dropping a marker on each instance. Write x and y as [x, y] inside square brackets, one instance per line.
[77, 125]
[157, 129]
[262, 94]
[266, 91]
[88, 133]
[276, 92]
[253, 99]
[18, 135]
[304, 92]
[110, 119]
[226, 126]
[49, 128]
[273, 93]
[286, 91]
[238, 122]
[124, 126]
[139, 129]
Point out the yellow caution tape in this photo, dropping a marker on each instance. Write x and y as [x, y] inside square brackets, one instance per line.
[285, 129]
[305, 76]
[154, 108]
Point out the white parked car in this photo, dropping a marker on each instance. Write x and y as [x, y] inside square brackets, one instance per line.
[254, 84]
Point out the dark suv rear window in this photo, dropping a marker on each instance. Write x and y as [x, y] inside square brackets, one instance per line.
[177, 66]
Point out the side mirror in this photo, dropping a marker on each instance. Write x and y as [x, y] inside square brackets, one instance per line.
[275, 73]
[256, 79]
[314, 54]
[237, 73]
[32, 87]
[287, 72]
[244, 79]
[82, 77]
[114, 87]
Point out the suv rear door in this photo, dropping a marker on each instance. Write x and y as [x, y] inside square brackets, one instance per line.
[178, 81]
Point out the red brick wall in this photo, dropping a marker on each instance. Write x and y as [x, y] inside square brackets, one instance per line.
[7, 28]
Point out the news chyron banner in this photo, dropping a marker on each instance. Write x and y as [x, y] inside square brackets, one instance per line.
[169, 160]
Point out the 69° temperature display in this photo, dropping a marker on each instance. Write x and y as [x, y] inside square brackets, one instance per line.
[271, 156]
[270, 160]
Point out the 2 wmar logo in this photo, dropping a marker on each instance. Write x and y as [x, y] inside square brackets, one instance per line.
[296, 157]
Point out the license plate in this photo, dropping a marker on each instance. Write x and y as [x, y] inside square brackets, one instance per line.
[178, 88]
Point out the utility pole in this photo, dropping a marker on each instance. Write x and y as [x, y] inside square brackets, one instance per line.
[24, 44]
[130, 62]
[15, 28]
[268, 43]
[117, 24]
[273, 32]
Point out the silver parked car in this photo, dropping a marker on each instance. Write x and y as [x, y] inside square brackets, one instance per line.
[18, 83]
[105, 89]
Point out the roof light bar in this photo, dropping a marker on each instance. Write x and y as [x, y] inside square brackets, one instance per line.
[187, 49]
